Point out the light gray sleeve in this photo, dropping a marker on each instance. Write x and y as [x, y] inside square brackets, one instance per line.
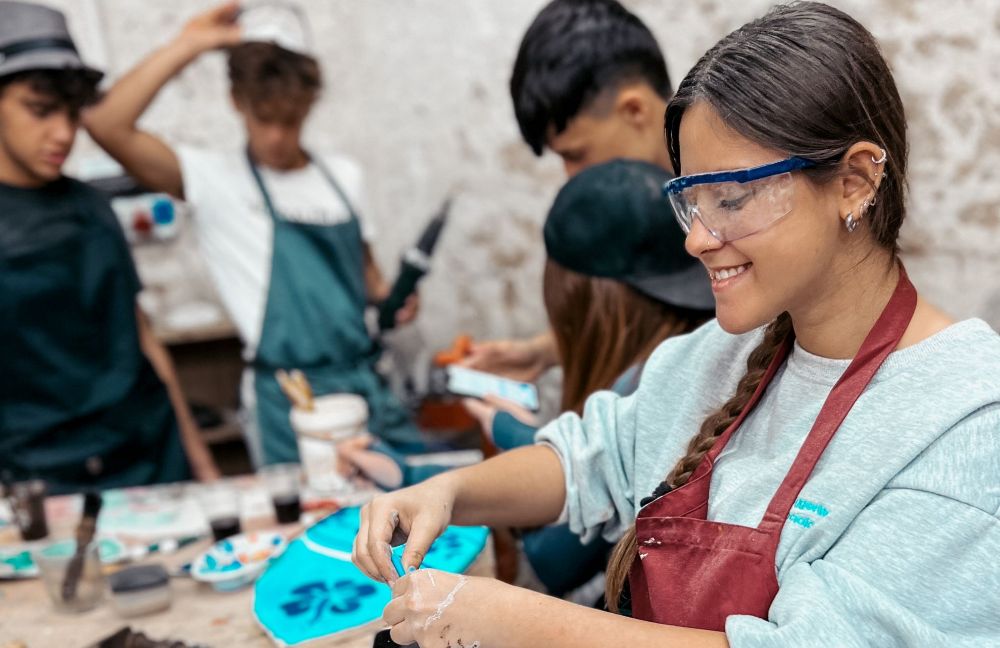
[919, 566]
[597, 455]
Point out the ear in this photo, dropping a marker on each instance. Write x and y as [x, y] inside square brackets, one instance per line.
[864, 167]
[632, 105]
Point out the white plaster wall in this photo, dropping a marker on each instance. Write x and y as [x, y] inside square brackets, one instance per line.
[417, 90]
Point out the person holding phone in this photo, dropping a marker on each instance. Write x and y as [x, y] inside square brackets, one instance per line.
[590, 84]
[820, 464]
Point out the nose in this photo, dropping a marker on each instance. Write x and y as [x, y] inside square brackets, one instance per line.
[699, 240]
[63, 129]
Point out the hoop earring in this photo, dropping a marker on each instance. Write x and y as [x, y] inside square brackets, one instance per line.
[881, 160]
[851, 223]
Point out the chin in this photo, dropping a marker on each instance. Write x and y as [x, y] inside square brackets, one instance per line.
[47, 173]
[740, 321]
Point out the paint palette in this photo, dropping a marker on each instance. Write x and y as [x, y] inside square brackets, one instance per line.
[19, 562]
[237, 561]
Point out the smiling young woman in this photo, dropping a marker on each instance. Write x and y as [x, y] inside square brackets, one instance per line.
[821, 464]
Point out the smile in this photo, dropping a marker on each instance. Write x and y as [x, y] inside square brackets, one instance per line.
[727, 273]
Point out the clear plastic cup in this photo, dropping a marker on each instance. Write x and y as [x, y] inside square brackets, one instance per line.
[220, 502]
[284, 483]
[53, 563]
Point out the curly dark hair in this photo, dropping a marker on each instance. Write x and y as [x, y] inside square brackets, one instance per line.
[71, 88]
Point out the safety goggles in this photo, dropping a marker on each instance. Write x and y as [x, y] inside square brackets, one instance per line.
[735, 204]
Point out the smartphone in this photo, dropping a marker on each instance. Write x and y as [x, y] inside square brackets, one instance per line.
[469, 382]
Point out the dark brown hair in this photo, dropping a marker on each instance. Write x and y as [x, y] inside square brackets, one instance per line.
[809, 80]
[602, 327]
[74, 89]
[264, 73]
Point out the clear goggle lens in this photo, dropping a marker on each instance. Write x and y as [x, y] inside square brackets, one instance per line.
[733, 210]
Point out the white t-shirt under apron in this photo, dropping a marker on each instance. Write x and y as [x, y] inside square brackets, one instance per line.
[235, 231]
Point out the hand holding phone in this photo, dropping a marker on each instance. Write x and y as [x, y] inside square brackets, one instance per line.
[478, 384]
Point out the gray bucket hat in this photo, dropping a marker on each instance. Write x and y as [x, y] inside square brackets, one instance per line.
[35, 37]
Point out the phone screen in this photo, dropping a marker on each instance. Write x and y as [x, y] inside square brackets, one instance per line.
[468, 382]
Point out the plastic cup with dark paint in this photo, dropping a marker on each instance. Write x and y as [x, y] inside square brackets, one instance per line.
[27, 500]
[221, 504]
[283, 483]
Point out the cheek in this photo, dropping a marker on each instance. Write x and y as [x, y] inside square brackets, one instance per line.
[785, 263]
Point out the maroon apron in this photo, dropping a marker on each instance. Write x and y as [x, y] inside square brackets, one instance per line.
[694, 573]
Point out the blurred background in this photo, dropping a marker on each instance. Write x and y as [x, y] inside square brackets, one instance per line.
[417, 91]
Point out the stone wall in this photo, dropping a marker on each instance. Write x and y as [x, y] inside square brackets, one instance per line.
[417, 90]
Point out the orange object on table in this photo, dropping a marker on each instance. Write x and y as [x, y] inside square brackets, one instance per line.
[460, 349]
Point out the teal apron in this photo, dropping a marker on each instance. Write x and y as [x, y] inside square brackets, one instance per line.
[81, 406]
[314, 321]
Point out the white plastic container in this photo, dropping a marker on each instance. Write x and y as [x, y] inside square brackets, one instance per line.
[334, 419]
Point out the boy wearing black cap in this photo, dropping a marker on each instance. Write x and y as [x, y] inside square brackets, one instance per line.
[590, 83]
[90, 397]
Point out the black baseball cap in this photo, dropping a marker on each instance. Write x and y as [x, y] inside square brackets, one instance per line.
[611, 220]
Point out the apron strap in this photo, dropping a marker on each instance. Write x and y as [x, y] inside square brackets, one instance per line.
[779, 358]
[880, 342]
[327, 174]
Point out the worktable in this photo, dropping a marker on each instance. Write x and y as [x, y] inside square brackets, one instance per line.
[198, 615]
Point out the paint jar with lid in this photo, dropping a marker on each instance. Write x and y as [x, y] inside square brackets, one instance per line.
[139, 590]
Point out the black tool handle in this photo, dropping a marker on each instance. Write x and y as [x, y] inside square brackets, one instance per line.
[383, 640]
[405, 285]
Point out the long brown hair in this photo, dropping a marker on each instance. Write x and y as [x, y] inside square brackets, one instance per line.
[602, 327]
[809, 80]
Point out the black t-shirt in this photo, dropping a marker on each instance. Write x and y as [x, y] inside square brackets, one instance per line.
[75, 380]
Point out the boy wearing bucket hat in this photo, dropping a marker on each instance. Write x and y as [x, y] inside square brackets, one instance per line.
[590, 84]
[280, 228]
[90, 397]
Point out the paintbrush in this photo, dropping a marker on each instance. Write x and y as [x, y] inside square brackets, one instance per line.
[293, 390]
[84, 535]
[303, 383]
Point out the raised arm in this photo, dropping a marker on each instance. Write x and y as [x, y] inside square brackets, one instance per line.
[113, 122]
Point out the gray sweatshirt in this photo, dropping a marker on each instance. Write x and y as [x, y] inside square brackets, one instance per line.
[893, 541]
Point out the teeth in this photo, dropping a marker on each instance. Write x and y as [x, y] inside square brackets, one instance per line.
[726, 273]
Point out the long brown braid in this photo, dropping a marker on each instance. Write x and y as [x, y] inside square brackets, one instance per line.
[712, 427]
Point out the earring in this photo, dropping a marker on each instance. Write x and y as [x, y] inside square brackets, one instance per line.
[869, 202]
[882, 159]
[851, 223]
